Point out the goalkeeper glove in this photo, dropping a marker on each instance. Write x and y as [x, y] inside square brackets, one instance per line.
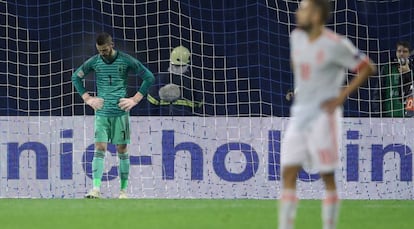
[95, 102]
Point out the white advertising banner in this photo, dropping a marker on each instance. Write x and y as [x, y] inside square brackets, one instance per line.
[198, 157]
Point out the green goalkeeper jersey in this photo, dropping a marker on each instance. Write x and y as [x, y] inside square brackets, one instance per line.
[112, 80]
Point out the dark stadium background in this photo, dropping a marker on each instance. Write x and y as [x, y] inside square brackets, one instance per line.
[251, 35]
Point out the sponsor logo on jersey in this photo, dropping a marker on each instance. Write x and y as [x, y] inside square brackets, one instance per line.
[122, 69]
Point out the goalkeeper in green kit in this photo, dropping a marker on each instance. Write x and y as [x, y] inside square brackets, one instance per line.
[111, 105]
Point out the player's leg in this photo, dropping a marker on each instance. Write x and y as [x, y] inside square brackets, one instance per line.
[124, 164]
[288, 200]
[121, 137]
[98, 162]
[293, 155]
[330, 205]
[324, 152]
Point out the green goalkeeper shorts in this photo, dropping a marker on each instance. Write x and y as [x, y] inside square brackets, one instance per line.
[113, 130]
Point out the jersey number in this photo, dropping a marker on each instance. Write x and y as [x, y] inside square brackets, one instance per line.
[305, 71]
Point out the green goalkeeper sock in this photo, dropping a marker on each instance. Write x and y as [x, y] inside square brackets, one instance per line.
[97, 168]
[124, 163]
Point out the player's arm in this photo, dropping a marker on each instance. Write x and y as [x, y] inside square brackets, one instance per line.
[362, 76]
[291, 93]
[350, 57]
[77, 81]
[148, 79]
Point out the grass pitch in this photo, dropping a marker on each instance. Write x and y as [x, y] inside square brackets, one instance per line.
[197, 214]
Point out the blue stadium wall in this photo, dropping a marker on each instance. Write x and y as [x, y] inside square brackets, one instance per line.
[251, 35]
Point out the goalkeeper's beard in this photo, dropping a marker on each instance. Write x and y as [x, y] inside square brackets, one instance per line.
[109, 56]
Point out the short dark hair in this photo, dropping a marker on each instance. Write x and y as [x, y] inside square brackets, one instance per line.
[103, 38]
[404, 44]
[324, 7]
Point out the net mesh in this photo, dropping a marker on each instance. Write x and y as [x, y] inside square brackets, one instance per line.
[239, 72]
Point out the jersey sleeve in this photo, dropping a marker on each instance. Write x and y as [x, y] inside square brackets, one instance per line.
[348, 56]
[80, 73]
[146, 75]
[292, 40]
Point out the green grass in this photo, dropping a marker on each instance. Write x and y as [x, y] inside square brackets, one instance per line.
[197, 214]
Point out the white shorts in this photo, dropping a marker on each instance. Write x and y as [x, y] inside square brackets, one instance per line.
[316, 147]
